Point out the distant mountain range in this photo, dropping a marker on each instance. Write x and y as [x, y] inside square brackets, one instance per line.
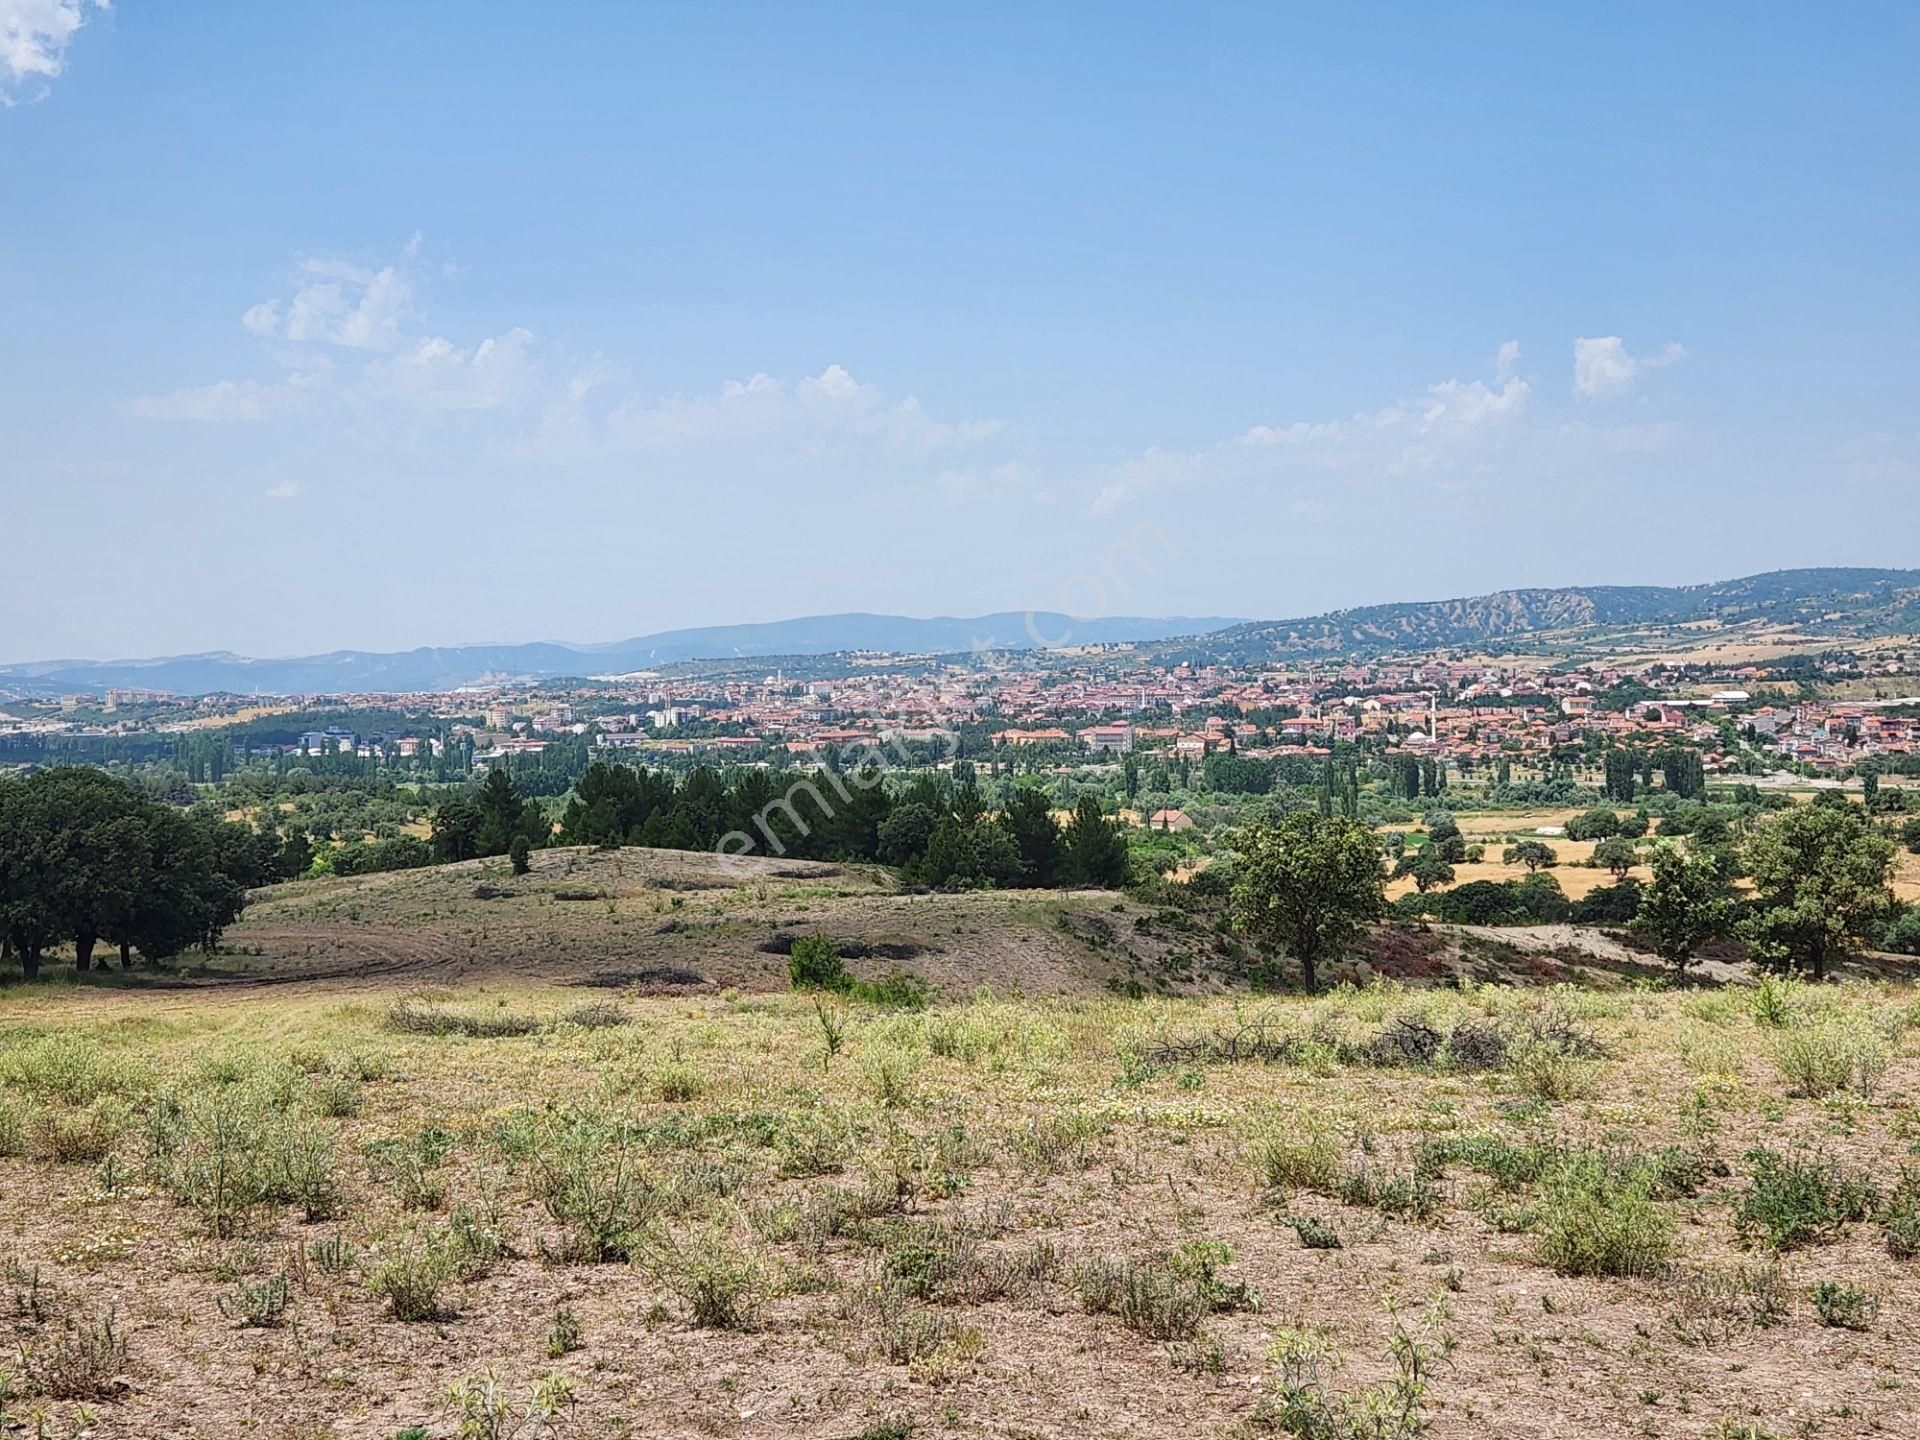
[450, 667]
[1840, 602]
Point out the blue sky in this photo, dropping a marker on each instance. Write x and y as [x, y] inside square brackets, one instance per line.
[371, 325]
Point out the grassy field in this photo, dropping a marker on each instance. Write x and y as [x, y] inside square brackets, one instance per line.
[339, 1210]
[665, 920]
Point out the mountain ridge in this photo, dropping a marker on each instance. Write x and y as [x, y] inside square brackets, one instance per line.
[430, 667]
[1845, 600]
[1832, 600]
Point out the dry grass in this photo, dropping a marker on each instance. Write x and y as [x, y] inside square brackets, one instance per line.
[992, 1218]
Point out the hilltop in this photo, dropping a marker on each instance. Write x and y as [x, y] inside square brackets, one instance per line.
[1835, 601]
[452, 667]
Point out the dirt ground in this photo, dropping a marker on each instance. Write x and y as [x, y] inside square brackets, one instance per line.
[677, 921]
[910, 1232]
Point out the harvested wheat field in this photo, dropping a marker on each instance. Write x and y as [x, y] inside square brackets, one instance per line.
[309, 1215]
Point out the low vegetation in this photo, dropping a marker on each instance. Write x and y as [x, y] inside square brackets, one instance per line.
[1377, 1212]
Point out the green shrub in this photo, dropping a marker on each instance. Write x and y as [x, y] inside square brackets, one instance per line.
[83, 1136]
[83, 1360]
[1836, 1054]
[814, 964]
[337, 1096]
[719, 1282]
[258, 1305]
[1774, 999]
[584, 1172]
[1167, 1298]
[422, 1019]
[1314, 1234]
[1713, 1305]
[1844, 1306]
[1902, 1216]
[1308, 1160]
[1800, 1200]
[1593, 1221]
[564, 1337]
[410, 1276]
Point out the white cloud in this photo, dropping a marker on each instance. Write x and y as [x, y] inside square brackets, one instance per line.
[1459, 436]
[821, 415]
[1507, 358]
[285, 490]
[34, 35]
[262, 319]
[346, 306]
[350, 349]
[226, 400]
[437, 375]
[1602, 367]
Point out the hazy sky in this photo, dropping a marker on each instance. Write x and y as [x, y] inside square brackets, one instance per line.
[377, 325]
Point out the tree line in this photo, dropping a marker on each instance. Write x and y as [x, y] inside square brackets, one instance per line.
[937, 829]
[88, 859]
[1819, 888]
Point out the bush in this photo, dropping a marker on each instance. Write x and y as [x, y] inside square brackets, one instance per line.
[1596, 1222]
[411, 1275]
[814, 964]
[720, 1284]
[76, 1137]
[1902, 937]
[1774, 1000]
[258, 1306]
[1616, 904]
[85, 1360]
[1902, 1216]
[584, 1174]
[1315, 1234]
[432, 1020]
[1845, 1306]
[1305, 1161]
[1816, 1060]
[1800, 1200]
[1599, 823]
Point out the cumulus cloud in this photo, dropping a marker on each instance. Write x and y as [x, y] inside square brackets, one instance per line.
[437, 375]
[34, 35]
[350, 345]
[347, 306]
[1603, 368]
[225, 400]
[820, 416]
[1458, 436]
[262, 319]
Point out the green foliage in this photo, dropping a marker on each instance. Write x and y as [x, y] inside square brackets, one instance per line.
[1534, 854]
[1684, 906]
[1796, 1200]
[1307, 886]
[1617, 855]
[1595, 1221]
[1599, 823]
[1845, 1306]
[86, 857]
[1901, 1215]
[1820, 876]
[1305, 1407]
[814, 964]
[1096, 849]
